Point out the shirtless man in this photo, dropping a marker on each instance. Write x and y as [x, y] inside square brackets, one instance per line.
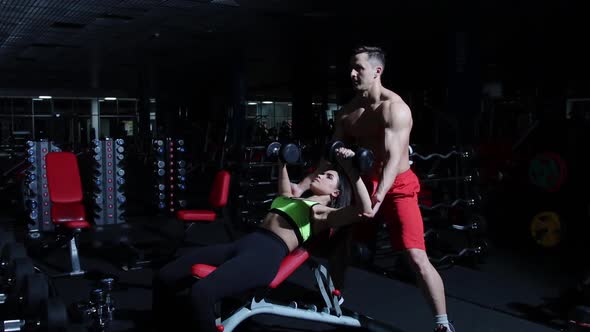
[379, 120]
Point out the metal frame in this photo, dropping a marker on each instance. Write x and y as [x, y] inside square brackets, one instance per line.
[331, 313]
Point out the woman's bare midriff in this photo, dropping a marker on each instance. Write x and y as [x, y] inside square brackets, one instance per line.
[278, 225]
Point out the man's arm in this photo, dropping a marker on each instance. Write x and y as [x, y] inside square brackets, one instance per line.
[398, 125]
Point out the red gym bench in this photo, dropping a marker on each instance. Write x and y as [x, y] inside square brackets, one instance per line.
[65, 193]
[218, 197]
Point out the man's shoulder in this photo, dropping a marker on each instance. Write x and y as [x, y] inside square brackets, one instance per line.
[396, 110]
[396, 105]
[390, 96]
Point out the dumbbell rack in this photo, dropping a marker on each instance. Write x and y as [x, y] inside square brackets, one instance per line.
[258, 182]
[36, 192]
[109, 181]
[257, 187]
[170, 175]
[448, 184]
[454, 228]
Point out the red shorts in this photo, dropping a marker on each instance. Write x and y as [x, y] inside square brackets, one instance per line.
[400, 211]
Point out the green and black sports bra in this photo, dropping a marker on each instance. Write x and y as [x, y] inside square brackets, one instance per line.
[297, 212]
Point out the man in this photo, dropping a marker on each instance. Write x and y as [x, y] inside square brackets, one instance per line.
[378, 119]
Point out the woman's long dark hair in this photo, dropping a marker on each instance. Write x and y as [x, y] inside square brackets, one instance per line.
[345, 188]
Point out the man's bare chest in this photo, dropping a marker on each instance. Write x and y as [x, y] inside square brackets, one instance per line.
[364, 124]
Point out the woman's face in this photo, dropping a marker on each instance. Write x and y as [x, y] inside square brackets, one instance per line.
[326, 183]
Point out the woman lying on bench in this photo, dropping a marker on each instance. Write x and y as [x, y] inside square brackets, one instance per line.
[253, 261]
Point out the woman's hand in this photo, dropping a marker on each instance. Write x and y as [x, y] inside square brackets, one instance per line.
[344, 157]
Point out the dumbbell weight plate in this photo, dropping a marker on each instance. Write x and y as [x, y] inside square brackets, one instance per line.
[55, 315]
[273, 150]
[363, 159]
[290, 153]
[35, 293]
[330, 153]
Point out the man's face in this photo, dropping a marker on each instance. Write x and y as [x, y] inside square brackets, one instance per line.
[362, 72]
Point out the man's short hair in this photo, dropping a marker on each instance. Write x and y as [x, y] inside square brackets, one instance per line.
[373, 52]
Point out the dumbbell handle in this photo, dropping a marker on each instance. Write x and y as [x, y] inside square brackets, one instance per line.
[12, 325]
[351, 156]
[363, 158]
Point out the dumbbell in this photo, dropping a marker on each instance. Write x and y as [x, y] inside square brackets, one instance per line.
[97, 313]
[12, 281]
[28, 294]
[289, 153]
[52, 317]
[10, 252]
[363, 158]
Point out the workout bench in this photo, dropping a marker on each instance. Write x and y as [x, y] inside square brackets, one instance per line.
[65, 192]
[331, 313]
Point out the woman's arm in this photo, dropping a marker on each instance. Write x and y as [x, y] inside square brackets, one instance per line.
[326, 217]
[362, 199]
[352, 213]
[284, 182]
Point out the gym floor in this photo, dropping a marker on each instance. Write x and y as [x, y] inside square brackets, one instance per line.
[510, 291]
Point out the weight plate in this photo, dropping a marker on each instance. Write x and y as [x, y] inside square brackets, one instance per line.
[290, 153]
[546, 229]
[273, 149]
[548, 171]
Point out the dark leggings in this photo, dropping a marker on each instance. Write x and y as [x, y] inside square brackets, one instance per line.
[251, 262]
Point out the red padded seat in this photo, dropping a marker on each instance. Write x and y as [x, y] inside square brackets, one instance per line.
[76, 224]
[218, 197]
[196, 215]
[65, 190]
[61, 213]
[288, 266]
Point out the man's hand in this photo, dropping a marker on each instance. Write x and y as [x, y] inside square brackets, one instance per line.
[376, 201]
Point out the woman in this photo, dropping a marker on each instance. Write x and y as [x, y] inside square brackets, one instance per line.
[254, 260]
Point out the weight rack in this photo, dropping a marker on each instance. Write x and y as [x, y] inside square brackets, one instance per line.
[109, 181]
[35, 191]
[170, 175]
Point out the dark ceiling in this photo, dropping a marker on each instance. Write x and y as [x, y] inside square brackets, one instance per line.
[115, 43]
